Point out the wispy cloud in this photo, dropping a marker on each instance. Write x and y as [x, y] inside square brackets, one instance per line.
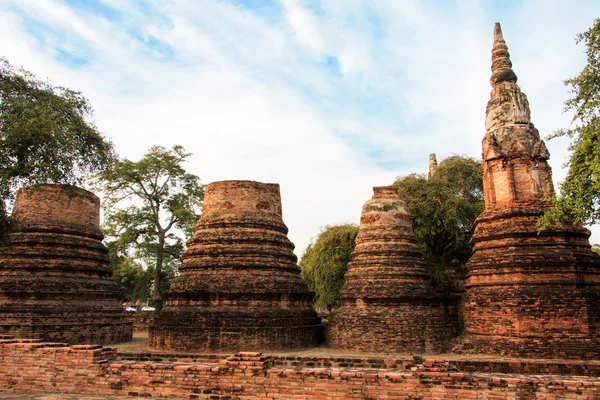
[327, 98]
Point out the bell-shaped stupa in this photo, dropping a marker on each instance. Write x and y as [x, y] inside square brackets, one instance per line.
[239, 286]
[387, 302]
[527, 294]
[55, 281]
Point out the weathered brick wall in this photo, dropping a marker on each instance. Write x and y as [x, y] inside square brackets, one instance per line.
[240, 287]
[532, 295]
[527, 294]
[92, 369]
[55, 282]
[141, 320]
[387, 301]
[62, 204]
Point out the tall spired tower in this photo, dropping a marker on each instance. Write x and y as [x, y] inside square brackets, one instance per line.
[527, 294]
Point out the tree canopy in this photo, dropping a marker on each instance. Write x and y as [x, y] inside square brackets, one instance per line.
[443, 209]
[579, 199]
[133, 279]
[149, 206]
[46, 135]
[324, 263]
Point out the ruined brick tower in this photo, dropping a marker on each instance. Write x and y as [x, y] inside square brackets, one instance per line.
[240, 287]
[55, 282]
[387, 302]
[433, 164]
[526, 294]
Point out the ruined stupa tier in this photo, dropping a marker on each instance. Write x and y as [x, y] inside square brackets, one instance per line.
[239, 286]
[387, 302]
[527, 294]
[55, 281]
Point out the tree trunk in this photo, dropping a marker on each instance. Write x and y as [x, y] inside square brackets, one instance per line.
[157, 293]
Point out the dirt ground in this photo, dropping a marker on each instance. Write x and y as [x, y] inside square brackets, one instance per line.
[140, 340]
[19, 395]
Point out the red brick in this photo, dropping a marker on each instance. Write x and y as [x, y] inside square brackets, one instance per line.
[56, 283]
[527, 293]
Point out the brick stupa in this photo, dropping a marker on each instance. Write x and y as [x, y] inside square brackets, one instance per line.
[526, 294]
[240, 287]
[387, 302]
[55, 281]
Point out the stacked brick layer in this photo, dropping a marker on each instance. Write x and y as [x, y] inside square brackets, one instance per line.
[55, 282]
[532, 295]
[240, 287]
[53, 367]
[387, 301]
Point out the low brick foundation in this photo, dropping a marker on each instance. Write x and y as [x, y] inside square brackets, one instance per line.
[53, 367]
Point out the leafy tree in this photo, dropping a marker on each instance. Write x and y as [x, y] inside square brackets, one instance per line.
[148, 205]
[579, 199]
[133, 279]
[324, 263]
[443, 209]
[596, 248]
[46, 135]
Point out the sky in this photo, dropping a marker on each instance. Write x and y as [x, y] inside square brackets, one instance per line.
[328, 98]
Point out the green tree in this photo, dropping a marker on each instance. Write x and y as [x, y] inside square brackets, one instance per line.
[133, 279]
[46, 135]
[149, 205]
[443, 209]
[579, 199]
[596, 248]
[324, 263]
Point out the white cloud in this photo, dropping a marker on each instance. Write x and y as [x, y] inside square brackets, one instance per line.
[326, 101]
[304, 25]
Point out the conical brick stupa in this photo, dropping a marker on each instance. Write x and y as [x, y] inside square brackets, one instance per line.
[387, 302]
[55, 281]
[240, 288]
[527, 294]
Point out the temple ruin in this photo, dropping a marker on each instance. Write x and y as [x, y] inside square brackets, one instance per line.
[240, 287]
[55, 281]
[387, 302]
[527, 294]
[433, 164]
[531, 305]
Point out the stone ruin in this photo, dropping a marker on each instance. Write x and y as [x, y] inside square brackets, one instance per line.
[433, 164]
[387, 302]
[240, 287]
[527, 294]
[55, 281]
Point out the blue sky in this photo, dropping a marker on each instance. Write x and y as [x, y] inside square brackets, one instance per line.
[327, 98]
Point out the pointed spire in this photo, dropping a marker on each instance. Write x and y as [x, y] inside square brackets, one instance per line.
[501, 64]
[433, 164]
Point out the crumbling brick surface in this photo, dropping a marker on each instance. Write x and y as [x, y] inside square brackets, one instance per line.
[55, 282]
[240, 287]
[387, 301]
[527, 293]
[141, 320]
[55, 367]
